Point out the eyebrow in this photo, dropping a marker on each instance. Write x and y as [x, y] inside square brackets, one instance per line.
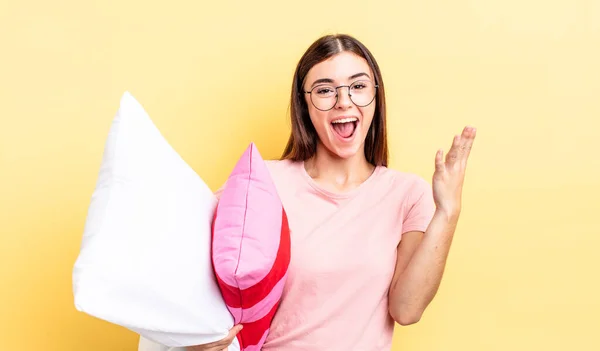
[329, 80]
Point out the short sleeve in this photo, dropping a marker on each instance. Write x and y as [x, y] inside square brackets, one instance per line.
[420, 207]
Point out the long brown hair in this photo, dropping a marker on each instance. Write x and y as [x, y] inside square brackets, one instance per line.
[302, 143]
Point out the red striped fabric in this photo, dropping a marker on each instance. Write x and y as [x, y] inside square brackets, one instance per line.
[252, 336]
[251, 248]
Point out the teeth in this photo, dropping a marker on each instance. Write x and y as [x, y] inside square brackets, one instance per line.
[345, 120]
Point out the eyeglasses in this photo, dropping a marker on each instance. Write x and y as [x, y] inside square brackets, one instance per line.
[325, 97]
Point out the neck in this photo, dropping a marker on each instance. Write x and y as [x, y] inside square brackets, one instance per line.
[337, 173]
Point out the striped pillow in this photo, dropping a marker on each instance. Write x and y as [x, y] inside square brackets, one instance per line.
[251, 248]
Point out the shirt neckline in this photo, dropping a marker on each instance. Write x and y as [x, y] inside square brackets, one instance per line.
[336, 194]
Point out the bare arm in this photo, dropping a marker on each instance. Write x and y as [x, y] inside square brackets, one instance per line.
[422, 256]
[419, 269]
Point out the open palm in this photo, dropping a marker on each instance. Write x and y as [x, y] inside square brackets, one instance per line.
[449, 173]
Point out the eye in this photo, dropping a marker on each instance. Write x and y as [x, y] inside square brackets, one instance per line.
[359, 86]
[324, 90]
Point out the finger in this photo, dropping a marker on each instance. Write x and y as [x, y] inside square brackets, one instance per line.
[439, 161]
[232, 334]
[237, 329]
[467, 142]
[225, 342]
[452, 155]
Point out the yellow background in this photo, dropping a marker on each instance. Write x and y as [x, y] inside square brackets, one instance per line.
[523, 271]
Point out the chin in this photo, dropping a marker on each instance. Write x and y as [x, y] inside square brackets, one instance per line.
[345, 151]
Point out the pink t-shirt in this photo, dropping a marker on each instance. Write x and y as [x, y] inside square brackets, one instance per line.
[343, 258]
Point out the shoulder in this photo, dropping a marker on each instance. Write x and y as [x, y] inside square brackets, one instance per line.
[408, 188]
[282, 168]
[281, 172]
[403, 180]
[276, 163]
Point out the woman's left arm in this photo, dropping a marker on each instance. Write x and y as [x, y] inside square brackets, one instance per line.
[422, 256]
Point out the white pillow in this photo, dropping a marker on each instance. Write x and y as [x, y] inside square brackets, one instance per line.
[147, 345]
[145, 259]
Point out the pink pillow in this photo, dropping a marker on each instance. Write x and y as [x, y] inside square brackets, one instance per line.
[251, 247]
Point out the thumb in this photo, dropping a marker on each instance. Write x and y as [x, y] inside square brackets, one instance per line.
[236, 329]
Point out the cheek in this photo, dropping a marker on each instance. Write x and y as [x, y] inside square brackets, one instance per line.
[367, 117]
[318, 119]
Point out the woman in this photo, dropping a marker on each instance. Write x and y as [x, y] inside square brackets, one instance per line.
[369, 244]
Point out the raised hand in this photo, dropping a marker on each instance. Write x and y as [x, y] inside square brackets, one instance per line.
[449, 173]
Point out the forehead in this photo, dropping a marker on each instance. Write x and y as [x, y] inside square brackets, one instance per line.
[339, 68]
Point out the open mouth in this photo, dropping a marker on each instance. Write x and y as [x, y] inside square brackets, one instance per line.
[345, 127]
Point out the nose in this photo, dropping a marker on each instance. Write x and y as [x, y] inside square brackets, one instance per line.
[343, 97]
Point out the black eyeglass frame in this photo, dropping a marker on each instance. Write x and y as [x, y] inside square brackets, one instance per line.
[337, 94]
